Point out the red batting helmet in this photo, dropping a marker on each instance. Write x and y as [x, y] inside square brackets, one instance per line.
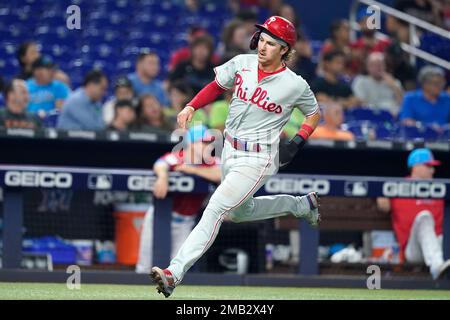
[278, 27]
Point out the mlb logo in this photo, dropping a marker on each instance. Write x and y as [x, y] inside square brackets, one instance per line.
[356, 188]
[100, 182]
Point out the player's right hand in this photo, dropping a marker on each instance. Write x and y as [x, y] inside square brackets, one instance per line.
[185, 116]
[160, 188]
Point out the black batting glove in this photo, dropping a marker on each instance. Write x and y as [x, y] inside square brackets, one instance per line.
[288, 150]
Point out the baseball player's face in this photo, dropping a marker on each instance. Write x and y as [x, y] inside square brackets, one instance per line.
[423, 171]
[269, 50]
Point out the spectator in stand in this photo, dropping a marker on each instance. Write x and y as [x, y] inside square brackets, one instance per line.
[330, 86]
[429, 105]
[339, 38]
[235, 40]
[397, 60]
[366, 44]
[124, 115]
[417, 223]
[180, 94]
[123, 90]
[83, 109]
[27, 53]
[151, 117]
[193, 159]
[15, 114]
[333, 117]
[378, 89]
[144, 79]
[184, 54]
[427, 10]
[339, 41]
[198, 71]
[46, 94]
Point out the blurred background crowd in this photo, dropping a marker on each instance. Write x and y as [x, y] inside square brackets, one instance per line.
[135, 63]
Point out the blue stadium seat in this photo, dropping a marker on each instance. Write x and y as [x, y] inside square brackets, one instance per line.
[362, 130]
[445, 135]
[419, 132]
[51, 119]
[377, 116]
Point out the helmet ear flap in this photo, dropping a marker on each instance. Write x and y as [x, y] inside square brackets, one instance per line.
[254, 40]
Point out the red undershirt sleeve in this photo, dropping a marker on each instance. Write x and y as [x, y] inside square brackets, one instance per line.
[207, 95]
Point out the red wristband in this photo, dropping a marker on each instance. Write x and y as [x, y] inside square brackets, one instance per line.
[305, 131]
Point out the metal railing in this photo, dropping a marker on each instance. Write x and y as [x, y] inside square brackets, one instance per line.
[413, 22]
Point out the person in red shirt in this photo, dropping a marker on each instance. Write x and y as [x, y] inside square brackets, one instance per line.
[194, 160]
[417, 223]
[184, 54]
[366, 44]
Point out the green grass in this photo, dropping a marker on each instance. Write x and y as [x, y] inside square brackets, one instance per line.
[138, 292]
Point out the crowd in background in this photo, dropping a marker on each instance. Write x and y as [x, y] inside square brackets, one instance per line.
[368, 73]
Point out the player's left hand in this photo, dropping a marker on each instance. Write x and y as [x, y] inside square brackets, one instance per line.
[288, 150]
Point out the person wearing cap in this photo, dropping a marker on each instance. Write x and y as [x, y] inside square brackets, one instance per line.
[123, 90]
[417, 223]
[193, 159]
[46, 94]
[124, 115]
[429, 105]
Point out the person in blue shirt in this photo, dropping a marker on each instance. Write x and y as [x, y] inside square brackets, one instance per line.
[46, 94]
[144, 79]
[83, 109]
[429, 105]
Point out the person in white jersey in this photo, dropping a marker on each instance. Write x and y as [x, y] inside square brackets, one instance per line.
[265, 94]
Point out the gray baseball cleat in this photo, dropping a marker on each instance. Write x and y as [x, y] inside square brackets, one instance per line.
[438, 272]
[308, 208]
[164, 279]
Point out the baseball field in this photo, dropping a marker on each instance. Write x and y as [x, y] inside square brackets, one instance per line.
[53, 291]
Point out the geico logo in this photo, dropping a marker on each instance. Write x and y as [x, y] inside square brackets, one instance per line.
[143, 183]
[38, 179]
[302, 186]
[414, 189]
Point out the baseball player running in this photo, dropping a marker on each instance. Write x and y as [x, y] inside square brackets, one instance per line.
[265, 93]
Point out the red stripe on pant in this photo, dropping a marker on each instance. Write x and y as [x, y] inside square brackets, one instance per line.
[221, 215]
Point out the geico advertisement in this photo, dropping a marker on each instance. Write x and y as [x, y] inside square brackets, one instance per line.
[38, 179]
[425, 189]
[145, 183]
[301, 186]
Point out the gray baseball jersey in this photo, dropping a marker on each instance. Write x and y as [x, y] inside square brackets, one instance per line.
[259, 111]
